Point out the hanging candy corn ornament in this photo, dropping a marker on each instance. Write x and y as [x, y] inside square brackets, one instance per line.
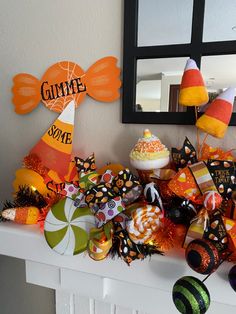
[192, 89]
[66, 81]
[55, 147]
[217, 116]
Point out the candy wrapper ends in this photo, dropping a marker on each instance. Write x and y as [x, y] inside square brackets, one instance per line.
[192, 88]
[85, 165]
[130, 251]
[144, 222]
[195, 231]
[70, 190]
[56, 182]
[56, 91]
[216, 232]
[107, 176]
[99, 194]
[217, 116]
[88, 179]
[230, 226]
[184, 185]
[185, 156]
[108, 211]
[208, 152]
[126, 185]
[55, 147]
[223, 175]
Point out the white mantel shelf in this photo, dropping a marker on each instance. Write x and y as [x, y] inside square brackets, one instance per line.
[110, 280]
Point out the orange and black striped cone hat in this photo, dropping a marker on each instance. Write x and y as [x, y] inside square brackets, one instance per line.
[55, 146]
[192, 89]
[217, 116]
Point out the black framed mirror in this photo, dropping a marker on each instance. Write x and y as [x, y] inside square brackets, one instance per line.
[159, 36]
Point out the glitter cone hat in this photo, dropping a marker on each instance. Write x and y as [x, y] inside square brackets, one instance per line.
[192, 89]
[217, 116]
[55, 146]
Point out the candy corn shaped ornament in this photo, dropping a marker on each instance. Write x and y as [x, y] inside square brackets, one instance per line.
[192, 89]
[55, 146]
[22, 215]
[66, 81]
[217, 116]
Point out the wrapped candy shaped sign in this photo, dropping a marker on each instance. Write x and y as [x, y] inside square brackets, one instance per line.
[66, 81]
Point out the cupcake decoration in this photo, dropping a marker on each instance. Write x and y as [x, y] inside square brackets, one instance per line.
[148, 154]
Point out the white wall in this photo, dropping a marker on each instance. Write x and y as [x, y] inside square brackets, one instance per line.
[34, 34]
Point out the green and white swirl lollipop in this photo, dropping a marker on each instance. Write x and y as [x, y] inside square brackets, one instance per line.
[67, 227]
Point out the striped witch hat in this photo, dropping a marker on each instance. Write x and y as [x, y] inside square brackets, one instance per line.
[192, 89]
[55, 146]
[217, 116]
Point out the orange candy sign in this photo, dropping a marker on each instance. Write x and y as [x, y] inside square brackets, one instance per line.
[66, 81]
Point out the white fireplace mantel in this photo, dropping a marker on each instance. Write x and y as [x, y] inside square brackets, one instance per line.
[145, 285]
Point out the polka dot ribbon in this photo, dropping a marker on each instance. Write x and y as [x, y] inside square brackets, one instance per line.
[108, 211]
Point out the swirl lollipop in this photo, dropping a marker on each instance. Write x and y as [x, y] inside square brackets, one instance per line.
[144, 222]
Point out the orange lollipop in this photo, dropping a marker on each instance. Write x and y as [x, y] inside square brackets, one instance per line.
[66, 81]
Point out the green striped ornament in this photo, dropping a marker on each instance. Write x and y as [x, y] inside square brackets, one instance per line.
[190, 296]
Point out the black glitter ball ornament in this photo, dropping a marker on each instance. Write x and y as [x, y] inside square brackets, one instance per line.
[202, 256]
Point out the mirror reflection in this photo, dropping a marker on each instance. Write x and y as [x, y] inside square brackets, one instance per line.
[153, 26]
[217, 11]
[157, 86]
[218, 75]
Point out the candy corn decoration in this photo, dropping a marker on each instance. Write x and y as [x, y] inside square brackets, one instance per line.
[54, 148]
[22, 215]
[66, 81]
[217, 116]
[192, 89]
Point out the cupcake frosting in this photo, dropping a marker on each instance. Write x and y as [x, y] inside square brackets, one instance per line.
[149, 147]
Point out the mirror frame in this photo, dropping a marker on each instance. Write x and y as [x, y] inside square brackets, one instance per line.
[195, 50]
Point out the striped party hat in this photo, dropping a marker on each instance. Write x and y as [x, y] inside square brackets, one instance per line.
[192, 89]
[217, 116]
[55, 146]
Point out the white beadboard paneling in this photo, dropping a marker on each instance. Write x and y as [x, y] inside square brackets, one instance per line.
[65, 302]
[102, 307]
[82, 304]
